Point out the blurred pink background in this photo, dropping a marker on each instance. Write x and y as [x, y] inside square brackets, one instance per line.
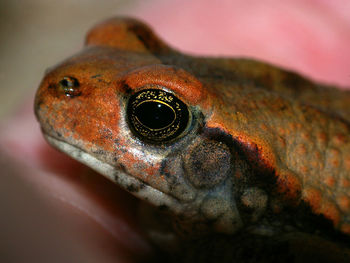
[309, 36]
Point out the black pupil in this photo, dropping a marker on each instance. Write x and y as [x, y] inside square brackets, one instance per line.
[154, 115]
[64, 82]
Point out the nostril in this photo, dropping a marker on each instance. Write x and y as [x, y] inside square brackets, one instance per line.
[69, 86]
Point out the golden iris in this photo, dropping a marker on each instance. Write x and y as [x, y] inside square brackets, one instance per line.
[156, 115]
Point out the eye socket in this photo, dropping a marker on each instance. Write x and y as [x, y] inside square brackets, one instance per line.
[157, 116]
[69, 86]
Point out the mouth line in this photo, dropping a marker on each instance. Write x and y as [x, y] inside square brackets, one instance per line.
[140, 189]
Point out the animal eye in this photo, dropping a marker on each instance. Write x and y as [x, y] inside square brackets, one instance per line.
[69, 86]
[157, 116]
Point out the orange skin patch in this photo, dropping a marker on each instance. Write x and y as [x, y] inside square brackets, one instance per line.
[176, 79]
[313, 197]
[345, 228]
[265, 154]
[343, 203]
[141, 169]
[90, 130]
[290, 185]
[124, 34]
[330, 211]
[284, 124]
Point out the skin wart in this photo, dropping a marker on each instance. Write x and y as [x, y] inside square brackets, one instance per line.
[260, 159]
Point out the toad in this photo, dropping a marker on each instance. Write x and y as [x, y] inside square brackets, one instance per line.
[238, 159]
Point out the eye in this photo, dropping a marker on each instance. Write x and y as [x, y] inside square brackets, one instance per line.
[157, 116]
[69, 86]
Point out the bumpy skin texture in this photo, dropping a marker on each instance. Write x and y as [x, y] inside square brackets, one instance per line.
[266, 153]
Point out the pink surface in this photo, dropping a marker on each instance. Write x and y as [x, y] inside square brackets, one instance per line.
[312, 37]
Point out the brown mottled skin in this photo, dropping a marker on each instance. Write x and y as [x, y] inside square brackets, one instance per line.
[273, 148]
